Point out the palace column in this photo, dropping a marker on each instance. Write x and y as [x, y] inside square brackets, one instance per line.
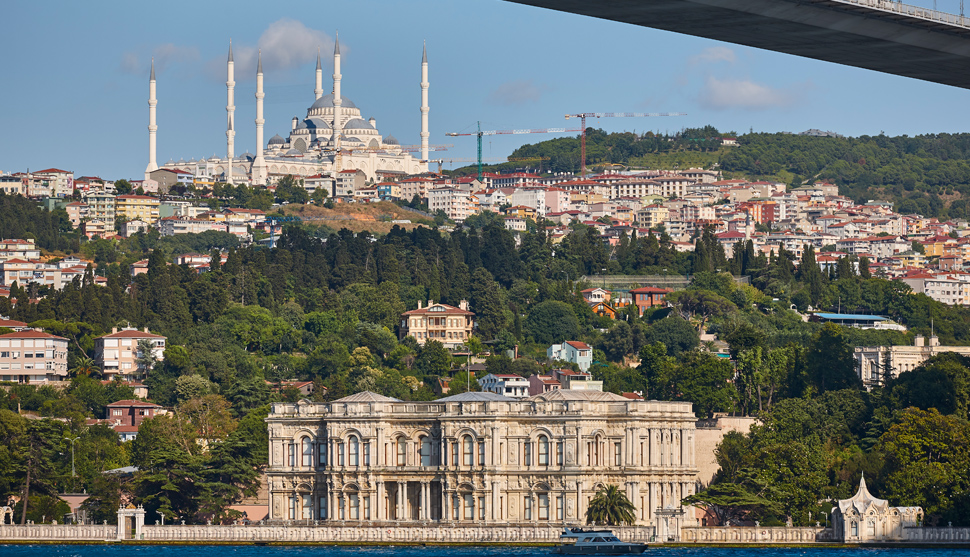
[402, 504]
[494, 513]
[379, 511]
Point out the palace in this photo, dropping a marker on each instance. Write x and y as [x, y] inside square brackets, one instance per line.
[333, 137]
[477, 458]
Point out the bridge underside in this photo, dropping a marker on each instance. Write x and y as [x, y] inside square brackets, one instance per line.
[841, 32]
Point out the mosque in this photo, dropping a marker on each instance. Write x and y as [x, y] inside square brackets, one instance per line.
[333, 137]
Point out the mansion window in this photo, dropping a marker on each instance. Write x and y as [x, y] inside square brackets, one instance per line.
[543, 450]
[401, 454]
[352, 450]
[468, 455]
[307, 450]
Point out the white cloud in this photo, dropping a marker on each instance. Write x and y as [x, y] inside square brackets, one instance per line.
[728, 93]
[516, 93]
[285, 44]
[712, 55]
[170, 53]
[129, 63]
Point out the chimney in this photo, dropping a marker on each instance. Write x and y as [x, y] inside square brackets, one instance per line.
[934, 340]
[419, 304]
[114, 330]
[919, 341]
[146, 329]
[430, 303]
[463, 305]
[295, 121]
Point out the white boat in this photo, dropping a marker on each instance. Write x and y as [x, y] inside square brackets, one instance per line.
[579, 541]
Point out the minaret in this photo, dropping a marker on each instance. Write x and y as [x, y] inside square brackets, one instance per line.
[258, 170]
[425, 134]
[152, 128]
[318, 91]
[337, 124]
[231, 111]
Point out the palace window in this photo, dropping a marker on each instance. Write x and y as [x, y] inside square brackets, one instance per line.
[543, 450]
[559, 451]
[543, 506]
[425, 451]
[527, 508]
[481, 453]
[340, 454]
[527, 454]
[322, 453]
[354, 500]
[469, 501]
[367, 453]
[307, 452]
[617, 455]
[401, 454]
[467, 453]
[291, 455]
[353, 450]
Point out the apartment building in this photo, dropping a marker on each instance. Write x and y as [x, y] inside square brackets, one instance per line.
[137, 207]
[32, 356]
[117, 353]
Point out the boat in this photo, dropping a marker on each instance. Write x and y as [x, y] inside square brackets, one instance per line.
[580, 541]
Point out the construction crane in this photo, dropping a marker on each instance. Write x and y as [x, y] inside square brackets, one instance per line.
[480, 133]
[585, 115]
[495, 160]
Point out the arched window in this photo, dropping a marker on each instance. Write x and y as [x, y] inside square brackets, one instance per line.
[543, 450]
[353, 500]
[401, 454]
[353, 450]
[307, 452]
[467, 451]
[425, 450]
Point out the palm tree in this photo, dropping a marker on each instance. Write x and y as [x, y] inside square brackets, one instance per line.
[610, 506]
[85, 366]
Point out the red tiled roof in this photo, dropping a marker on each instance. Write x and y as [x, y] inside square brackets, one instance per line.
[132, 334]
[31, 334]
[578, 345]
[134, 403]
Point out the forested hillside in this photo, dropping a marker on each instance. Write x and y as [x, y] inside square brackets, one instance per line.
[327, 310]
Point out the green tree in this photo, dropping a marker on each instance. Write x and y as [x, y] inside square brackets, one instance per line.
[611, 507]
[552, 321]
[927, 461]
[434, 360]
[830, 363]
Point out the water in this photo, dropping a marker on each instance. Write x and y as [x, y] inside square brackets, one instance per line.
[322, 551]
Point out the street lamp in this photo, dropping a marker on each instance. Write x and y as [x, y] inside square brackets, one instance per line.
[73, 471]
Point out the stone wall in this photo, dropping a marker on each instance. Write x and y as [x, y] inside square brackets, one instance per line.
[937, 535]
[308, 533]
[61, 532]
[752, 534]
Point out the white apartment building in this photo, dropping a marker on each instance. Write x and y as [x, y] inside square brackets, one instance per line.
[117, 353]
[456, 203]
[32, 356]
[170, 226]
[948, 288]
[512, 386]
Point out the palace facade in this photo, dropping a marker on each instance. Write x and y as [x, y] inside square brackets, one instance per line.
[476, 458]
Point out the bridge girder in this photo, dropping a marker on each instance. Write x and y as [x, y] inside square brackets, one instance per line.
[845, 32]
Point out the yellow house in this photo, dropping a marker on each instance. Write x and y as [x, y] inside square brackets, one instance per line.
[137, 207]
[652, 216]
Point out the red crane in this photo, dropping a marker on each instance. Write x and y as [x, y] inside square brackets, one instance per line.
[584, 115]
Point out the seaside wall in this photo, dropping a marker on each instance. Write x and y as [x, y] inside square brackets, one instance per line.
[309, 532]
[755, 534]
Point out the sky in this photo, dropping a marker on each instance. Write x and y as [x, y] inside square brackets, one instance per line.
[75, 88]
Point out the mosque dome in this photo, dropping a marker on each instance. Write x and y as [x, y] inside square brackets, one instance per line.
[391, 140]
[315, 123]
[326, 101]
[277, 140]
[357, 124]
